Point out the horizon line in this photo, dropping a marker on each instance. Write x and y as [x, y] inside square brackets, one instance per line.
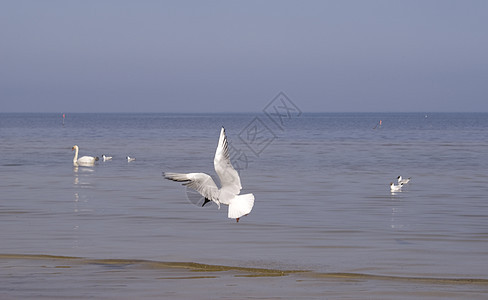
[234, 112]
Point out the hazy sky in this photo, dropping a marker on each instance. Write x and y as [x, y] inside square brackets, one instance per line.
[235, 56]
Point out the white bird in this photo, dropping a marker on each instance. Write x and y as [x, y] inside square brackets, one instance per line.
[396, 188]
[105, 158]
[129, 159]
[228, 194]
[84, 160]
[402, 180]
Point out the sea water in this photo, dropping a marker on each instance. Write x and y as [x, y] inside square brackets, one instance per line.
[324, 223]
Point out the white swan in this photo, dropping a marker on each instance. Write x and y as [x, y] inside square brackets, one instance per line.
[396, 188]
[84, 160]
[228, 194]
[105, 158]
[402, 180]
[129, 159]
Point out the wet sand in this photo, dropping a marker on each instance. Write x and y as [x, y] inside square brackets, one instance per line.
[51, 277]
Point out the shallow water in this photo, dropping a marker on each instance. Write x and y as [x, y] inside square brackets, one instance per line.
[71, 277]
[322, 206]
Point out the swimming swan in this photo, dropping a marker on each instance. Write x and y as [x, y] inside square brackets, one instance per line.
[84, 160]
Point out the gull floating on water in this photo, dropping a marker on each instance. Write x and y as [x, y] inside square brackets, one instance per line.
[402, 180]
[395, 188]
[84, 161]
[105, 158]
[228, 194]
[129, 159]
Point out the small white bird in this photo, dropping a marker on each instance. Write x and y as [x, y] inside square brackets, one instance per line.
[105, 158]
[228, 194]
[84, 161]
[129, 159]
[396, 188]
[402, 180]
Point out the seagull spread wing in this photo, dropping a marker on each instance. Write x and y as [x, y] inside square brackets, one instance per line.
[200, 182]
[229, 178]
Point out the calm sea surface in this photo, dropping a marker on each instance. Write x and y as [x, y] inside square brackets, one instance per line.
[324, 224]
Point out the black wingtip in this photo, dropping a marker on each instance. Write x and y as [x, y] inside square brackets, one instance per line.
[206, 201]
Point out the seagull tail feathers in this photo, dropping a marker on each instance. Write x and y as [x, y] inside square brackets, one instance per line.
[240, 206]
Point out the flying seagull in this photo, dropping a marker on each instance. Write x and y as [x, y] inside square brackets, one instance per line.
[228, 194]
